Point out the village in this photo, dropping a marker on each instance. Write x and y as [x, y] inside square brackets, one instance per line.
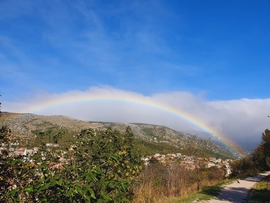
[188, 162]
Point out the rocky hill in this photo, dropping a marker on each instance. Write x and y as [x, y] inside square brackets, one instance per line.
[34, 129]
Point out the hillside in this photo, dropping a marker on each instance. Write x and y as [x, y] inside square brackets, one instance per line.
[32, 130]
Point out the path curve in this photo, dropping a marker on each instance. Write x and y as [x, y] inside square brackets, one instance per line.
[237, 191]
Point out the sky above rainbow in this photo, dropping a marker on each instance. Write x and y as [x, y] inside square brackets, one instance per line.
[207, 60]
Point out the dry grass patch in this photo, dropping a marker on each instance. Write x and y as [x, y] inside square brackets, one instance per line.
[166, 183]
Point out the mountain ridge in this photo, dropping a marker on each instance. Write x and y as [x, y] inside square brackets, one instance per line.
[150, 137]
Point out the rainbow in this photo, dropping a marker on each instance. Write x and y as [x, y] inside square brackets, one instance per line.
[121, 96]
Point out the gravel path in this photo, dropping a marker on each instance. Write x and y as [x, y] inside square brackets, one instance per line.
[237, 191]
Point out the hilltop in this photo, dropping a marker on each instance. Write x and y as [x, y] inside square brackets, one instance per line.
[32, 130]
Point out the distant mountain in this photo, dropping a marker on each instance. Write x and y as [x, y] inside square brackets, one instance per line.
[206, 135]
[32, 129]
[200, 134]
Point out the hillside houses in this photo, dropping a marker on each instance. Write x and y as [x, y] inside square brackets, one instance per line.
[190, 162]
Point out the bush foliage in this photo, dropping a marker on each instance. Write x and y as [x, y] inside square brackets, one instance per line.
[100, 167]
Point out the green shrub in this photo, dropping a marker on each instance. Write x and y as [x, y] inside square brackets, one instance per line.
[101, 167]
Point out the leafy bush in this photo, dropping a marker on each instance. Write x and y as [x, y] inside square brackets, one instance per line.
[100, 167]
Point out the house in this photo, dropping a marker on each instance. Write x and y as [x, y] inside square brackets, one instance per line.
[210, 164]
[52, 145]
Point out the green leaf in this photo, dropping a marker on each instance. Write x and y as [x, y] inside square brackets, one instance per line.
[92, 194]
[28, 189]
[53, 183]
[99, 201]
[115, 157]
[44, 187]
[78, 190]
[15, 191]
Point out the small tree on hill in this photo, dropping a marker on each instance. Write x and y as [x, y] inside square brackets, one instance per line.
[261, 155]
[266, 146]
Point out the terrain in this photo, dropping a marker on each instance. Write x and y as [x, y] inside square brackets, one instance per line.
[238, 191]
[32, 130]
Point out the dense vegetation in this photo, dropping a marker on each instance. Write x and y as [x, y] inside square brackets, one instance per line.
[161, 183]
[100, 167]
[193, 147]
[257, 161]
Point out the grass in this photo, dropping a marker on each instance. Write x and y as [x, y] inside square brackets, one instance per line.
[207, 193]
[261, 191]
[172, 183]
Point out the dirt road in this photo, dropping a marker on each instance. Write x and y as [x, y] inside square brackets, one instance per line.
[237, 191]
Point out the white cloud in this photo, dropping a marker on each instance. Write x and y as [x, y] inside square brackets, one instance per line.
[242, 120]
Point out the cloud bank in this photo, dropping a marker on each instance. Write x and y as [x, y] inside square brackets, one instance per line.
[241, 121]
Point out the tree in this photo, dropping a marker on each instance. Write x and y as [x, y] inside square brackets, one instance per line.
[259, 160]
[261, 155]
[266, 146]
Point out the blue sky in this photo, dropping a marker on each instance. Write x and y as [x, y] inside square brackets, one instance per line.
[209, 58]
[220, 48]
